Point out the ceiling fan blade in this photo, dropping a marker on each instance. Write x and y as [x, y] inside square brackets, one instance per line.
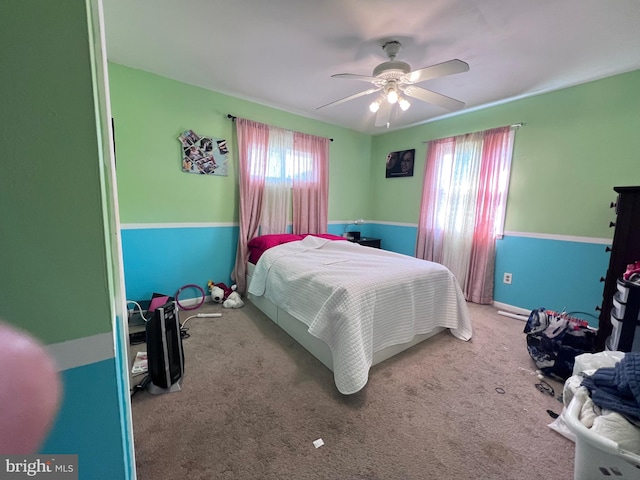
[433, 97]
[351, 97]
[436, 71]
[384, 114]
[355, 76]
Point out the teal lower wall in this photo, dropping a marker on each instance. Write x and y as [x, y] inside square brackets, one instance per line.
[164, 259]
[397, 238]
[340, 229]
[555, 274]
[88, 424]
[124, 395]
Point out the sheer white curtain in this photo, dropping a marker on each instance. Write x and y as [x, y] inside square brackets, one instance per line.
[463, 204]
[277, 189]
[457, 218]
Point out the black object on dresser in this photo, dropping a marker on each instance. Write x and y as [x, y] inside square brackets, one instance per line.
[368, 242]
[625, 250]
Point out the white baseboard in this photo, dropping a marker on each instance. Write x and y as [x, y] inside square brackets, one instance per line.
[512, 308]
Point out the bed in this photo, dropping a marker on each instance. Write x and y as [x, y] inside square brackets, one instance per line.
[349, 305]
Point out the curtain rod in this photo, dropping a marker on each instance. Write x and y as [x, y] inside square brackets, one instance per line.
[233, 119]
[515, 125]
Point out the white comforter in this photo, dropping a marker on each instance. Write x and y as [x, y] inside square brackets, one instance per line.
[359, 300]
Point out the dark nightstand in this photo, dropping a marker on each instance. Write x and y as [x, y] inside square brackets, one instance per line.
[368, 242]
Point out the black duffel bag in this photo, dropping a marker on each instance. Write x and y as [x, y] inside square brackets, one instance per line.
[555, 339]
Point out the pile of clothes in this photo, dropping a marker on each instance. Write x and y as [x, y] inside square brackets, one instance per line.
[618, 388]
[609, 394]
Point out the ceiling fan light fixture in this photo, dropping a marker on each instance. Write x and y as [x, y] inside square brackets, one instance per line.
[395, 80]
[375, 105]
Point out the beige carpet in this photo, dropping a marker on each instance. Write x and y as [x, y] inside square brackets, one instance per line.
[253, 401]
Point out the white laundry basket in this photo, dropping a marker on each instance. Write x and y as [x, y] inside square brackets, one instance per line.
[598, 457]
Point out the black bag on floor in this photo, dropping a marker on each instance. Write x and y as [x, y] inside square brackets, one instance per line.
[555, 339]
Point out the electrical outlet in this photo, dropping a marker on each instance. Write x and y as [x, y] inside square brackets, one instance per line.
[507, 278]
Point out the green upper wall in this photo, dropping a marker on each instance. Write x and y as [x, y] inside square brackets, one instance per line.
[54, 280]
[576, 145]
[151, 111]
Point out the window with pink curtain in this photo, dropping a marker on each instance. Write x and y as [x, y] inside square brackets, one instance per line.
[310, 184]
[463, 206]
[272, 162]
[253, 147]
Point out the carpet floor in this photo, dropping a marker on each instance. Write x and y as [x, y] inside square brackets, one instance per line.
[253, 401]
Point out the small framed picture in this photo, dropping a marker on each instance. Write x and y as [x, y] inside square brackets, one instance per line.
[400, 164]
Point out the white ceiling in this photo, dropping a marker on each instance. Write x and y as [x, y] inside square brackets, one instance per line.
[282, 53]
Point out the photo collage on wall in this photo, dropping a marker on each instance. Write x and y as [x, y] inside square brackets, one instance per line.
[203, 155]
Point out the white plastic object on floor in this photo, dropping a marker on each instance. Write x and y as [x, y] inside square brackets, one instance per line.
[208, 315]
[517, 316]
[597, 457]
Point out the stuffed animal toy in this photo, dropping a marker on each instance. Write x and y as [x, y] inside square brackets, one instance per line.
[227, 296]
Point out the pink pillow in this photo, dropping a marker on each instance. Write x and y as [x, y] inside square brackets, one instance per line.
[267, 241]
[258, 245]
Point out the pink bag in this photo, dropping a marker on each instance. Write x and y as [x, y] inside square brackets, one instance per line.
[633, 272]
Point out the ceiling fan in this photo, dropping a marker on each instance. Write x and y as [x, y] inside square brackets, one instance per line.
[395, 80]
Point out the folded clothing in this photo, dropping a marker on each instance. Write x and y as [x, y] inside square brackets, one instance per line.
[585, 365]
[618, 388]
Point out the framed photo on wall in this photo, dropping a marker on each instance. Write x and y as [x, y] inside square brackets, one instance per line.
[400, 164]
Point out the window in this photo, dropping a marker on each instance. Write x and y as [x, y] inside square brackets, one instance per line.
[283, 163]
[299, 163]
[463, 206]
[466, 191]
[280, 166]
